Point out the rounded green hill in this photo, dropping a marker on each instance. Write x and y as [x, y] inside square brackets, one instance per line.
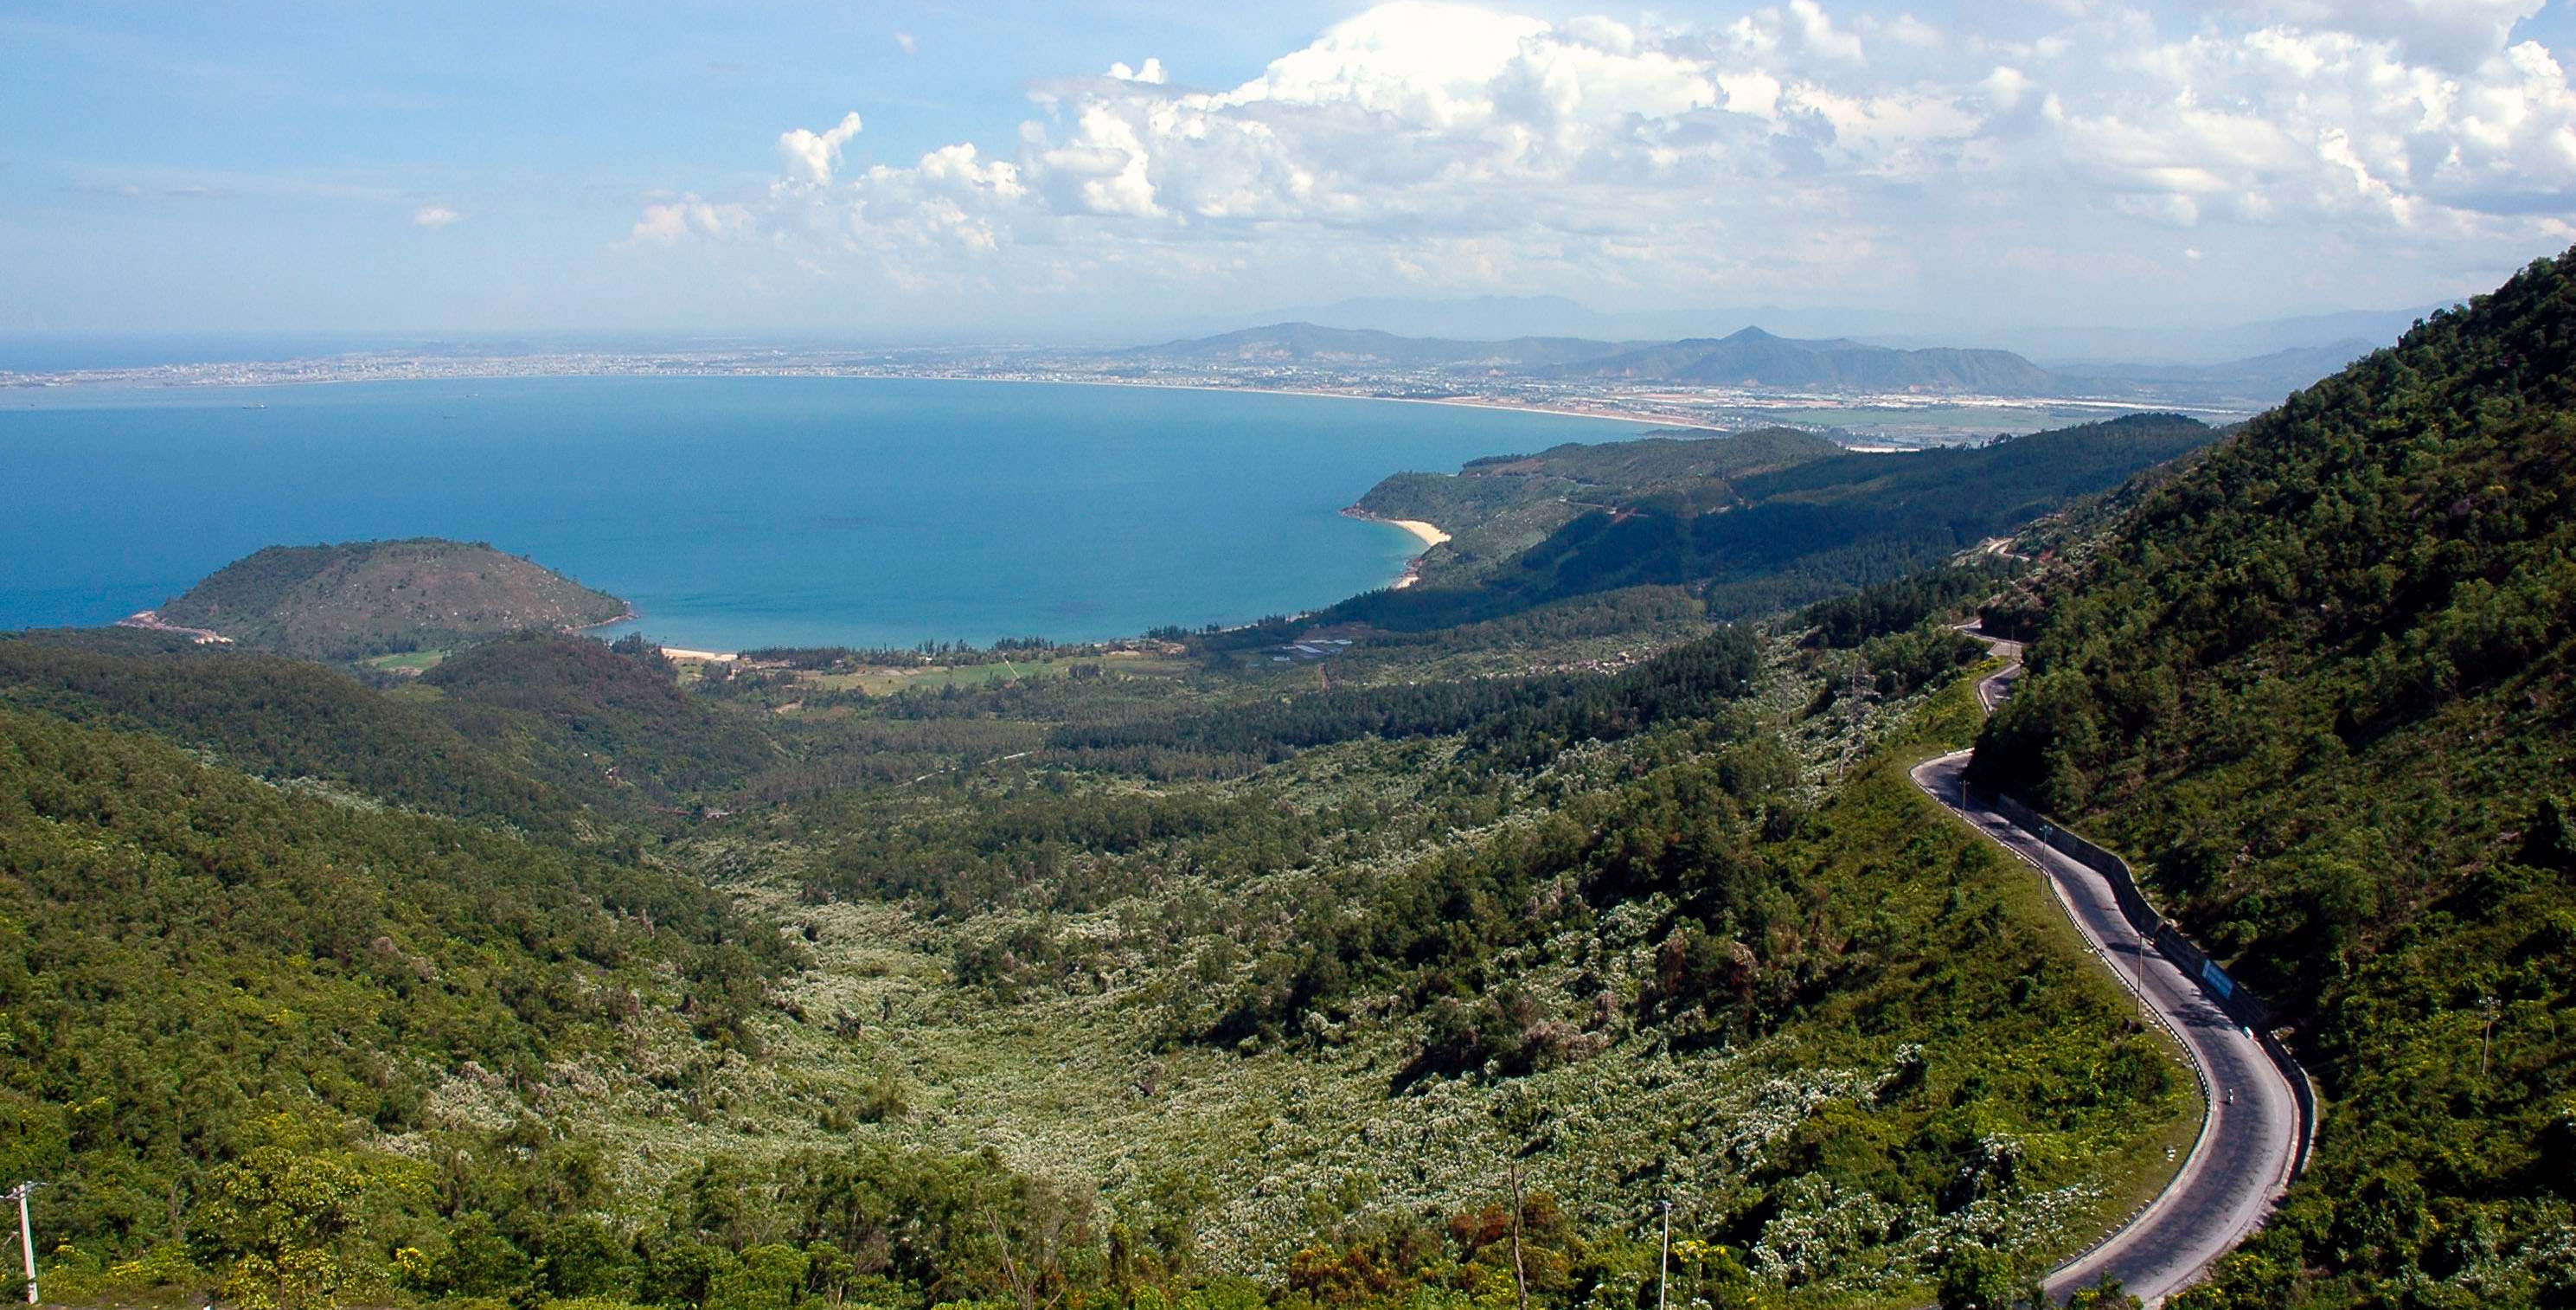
[362, 598]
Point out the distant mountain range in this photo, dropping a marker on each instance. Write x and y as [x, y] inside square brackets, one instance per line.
[1488, 317]
[1754, 357]
[1751, 357]
[2095, 345]
[1308, 343]
[2284, 370]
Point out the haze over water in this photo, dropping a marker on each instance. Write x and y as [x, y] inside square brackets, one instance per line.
[740, 512]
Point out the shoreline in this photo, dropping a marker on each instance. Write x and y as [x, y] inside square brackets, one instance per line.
[37, 382]
[1429, 534]
[1423, 530]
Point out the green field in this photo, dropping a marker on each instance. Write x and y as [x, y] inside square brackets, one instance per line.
[412, 661]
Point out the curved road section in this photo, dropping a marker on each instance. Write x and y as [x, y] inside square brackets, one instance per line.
[2250, 1141]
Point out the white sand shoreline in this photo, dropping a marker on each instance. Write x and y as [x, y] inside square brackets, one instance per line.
[1431, 535]
[1424, 531]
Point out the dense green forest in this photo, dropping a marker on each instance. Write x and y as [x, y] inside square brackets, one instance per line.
[414, 993]
[224, 1003]
[1794, 531]
[276, 718]
[1179, 974]
[1496, 507]
[2321, 683]
[362, 598]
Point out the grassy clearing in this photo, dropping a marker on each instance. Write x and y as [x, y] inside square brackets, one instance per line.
[410, 661]
[887, 681]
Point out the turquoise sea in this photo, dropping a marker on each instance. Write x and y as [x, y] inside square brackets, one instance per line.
[739, 512]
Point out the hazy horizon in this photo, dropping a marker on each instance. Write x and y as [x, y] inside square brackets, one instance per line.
[1100, 173]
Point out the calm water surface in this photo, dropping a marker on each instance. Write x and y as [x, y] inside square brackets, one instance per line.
[741, 512]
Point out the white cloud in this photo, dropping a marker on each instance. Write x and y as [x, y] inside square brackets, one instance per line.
[1468, 149]
[906, 43]
[690, 216]
[434, 216]
[2457, 35]
[811, 156]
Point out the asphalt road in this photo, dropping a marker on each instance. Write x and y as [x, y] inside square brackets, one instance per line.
[2249, 1141]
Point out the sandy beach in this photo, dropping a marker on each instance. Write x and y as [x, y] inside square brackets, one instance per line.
[1431, 535]
[715, 656]
[1428, 533]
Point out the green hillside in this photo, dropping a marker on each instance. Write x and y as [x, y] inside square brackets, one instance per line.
[281, 719]
[370, 597]
[1786, 530]
[239, 1020]
[1754, 357]
[2321, 683]
[1495, 508]
[608, 723]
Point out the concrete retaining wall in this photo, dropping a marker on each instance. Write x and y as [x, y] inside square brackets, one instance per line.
[2241, 1004]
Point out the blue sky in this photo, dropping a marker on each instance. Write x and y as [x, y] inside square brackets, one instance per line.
[478, 168]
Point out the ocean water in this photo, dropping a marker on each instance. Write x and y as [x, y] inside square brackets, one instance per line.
[740, 512]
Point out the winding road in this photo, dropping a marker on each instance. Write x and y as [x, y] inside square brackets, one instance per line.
[2251, 1140]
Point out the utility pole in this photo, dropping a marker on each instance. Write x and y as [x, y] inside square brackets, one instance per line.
[1520, 1277]
[2486, 1044]
[1664, 1262]
[26, 1238]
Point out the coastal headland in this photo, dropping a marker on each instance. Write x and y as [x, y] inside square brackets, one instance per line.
[1428, 533]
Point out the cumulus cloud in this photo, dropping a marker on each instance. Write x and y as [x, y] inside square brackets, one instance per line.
[811, 156]
[1457, 146]
[434, 216]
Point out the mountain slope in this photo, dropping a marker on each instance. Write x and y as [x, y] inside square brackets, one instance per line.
[1496, 507]
[272, 717]
[2324, 683]
[603, 722]
[367, 597]
[1305, 343]
[1754, 357]
[1798, 532]
[213, 991]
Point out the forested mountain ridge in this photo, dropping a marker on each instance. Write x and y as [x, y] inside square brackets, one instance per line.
[604, 722]
[2320, 683]
[1800, 530]
[369, 597]
[226, 1008]
[543, 733]
[492, 1069]
[1495, 507]
[273, 717]
[1754, 357]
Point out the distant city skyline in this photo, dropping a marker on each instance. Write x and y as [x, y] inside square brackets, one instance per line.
[1087, 170]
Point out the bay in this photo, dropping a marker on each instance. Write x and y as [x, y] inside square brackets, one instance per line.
[742, 512]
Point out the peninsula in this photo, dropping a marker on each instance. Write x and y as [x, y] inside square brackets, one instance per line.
[356, 599]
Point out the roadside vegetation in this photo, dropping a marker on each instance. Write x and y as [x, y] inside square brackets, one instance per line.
[1209, 973]
[2320, 684]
